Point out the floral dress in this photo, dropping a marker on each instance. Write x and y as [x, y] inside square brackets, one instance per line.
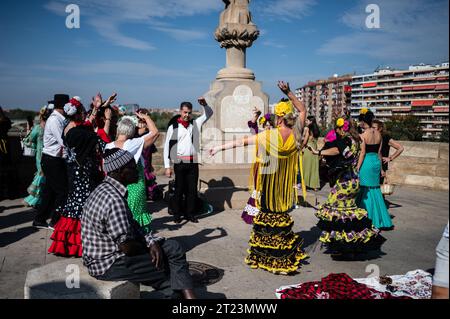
[345, 227]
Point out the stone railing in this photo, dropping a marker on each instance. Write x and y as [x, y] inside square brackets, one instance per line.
[421, 164]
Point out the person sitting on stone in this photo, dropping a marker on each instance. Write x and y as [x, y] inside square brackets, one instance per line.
[115, 248]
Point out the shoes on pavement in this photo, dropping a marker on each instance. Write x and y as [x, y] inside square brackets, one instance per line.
[177, 220]
[41, 225]
[192, 219]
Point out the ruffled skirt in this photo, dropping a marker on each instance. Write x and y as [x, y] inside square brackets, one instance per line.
[35, 189]
[345, 227]
[273, 245]
[67, 238]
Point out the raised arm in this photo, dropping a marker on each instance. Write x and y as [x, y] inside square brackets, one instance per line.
[150, 138]
[108, 115]
[305, 137]
[299, 106]
[207, 112]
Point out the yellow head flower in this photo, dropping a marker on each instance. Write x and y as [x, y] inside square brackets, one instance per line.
[340, 122]
[283, 108]
[262, 121]
[364, 111]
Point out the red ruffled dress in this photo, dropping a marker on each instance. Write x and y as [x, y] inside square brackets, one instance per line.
[82, 165]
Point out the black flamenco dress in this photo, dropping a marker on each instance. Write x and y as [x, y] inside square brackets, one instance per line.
[345, 227]
[84, 173]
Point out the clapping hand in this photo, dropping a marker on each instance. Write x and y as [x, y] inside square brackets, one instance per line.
[256, 112]
[202, 101]
[284, 87]
[141, 116]
[110, 100]
[97, 101]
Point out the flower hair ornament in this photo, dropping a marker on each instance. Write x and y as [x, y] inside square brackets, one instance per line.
[283, 108]
[71, 107]
[331, 136]
[263, 120]
[364, 111]
[344, 124]
[133, 119]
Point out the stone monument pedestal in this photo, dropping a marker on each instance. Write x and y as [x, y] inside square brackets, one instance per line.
[232, 96]
[225, 178]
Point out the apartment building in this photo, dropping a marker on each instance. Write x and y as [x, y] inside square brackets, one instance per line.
[327, 99]
[422, 91]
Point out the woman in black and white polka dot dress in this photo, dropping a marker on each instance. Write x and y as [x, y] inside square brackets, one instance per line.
[82, 146]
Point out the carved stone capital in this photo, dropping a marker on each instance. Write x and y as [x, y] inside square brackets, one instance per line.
[236, 35]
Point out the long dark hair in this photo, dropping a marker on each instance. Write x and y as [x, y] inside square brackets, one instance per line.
[313, 127]
[367, 118]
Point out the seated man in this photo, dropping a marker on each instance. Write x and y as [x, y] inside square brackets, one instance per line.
[114, 246]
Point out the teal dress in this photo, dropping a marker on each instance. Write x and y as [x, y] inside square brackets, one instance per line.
[35, 140]
[370, 197]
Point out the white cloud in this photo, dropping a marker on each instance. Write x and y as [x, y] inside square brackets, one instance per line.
[110, 31]
[411, 31]
[183, 35]
[106, 16]
[286, 10]
[274, 44]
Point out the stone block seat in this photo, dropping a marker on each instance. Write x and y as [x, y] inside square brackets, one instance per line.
[52, 281]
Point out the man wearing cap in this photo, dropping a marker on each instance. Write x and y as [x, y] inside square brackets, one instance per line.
[53, 166]
[114, 246]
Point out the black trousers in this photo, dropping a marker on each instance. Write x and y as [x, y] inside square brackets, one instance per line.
[54, 193]
[175, 275]
[186, 180]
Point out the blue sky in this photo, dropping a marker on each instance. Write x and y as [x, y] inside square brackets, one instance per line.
[158, 53]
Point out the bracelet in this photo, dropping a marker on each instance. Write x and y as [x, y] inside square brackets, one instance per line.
[107, 119]
[320, 153]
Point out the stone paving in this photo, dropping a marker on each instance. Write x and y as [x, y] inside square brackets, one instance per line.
[221, 240]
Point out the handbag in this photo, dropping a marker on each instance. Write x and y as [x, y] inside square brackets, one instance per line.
[27, 151]
[386, 188]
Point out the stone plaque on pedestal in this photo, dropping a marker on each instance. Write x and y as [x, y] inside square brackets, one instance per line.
[232, 96]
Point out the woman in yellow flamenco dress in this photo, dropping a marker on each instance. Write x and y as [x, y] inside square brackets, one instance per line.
[273, 245]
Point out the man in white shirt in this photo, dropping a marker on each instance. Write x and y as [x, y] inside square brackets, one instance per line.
[53, 165]
[182, 147]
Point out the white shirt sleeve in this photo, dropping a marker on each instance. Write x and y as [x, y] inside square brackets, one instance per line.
[135, 146]
[166, 147]
[56, 130]
[207, 113]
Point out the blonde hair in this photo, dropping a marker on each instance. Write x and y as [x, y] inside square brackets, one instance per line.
[290, 120]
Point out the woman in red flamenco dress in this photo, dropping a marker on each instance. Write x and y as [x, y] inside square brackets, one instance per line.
[82, 146]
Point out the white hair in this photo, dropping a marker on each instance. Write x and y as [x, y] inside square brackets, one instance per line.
[126, 127]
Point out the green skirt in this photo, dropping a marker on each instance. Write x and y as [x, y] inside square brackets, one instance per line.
[137, 201]
[311, 167]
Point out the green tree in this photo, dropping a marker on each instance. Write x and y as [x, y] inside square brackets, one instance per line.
[19, 114]
[405, 128]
